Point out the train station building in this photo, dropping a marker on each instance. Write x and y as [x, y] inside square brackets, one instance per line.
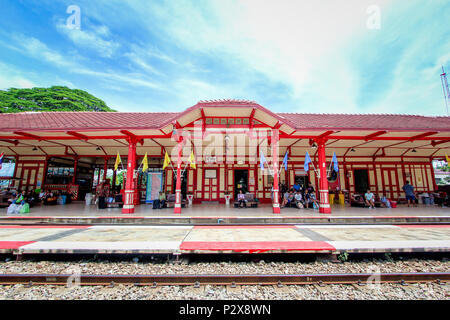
[235, 145]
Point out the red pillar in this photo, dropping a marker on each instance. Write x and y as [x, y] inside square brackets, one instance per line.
[276, 203]
[128, 203]
[324, 205]
[75, 165]
[177, 208]
[105, 168]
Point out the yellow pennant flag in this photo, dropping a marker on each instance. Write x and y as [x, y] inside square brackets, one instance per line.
[448, 160]
[118, 160]
[145, 163]
[192, 160]
[166, 161]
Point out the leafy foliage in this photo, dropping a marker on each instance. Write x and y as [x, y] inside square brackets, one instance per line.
[56, 98]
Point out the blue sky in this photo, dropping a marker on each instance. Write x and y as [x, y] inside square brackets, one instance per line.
[288, 55]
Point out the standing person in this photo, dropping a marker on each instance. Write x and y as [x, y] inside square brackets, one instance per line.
[101, 194]
[296, 186]
[307, 198]
[283, 188]
[370, 199]
[409, 192]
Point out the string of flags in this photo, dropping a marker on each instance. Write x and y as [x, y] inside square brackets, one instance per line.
[1, 159]
[263, 160]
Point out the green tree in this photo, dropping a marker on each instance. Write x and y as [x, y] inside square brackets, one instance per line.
[56, 98]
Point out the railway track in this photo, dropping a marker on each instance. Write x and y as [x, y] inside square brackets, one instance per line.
[233, 280]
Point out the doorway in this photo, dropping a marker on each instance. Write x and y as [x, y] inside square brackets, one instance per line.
[302, 180]
[240, 181]
[28, 179]
[361, 180]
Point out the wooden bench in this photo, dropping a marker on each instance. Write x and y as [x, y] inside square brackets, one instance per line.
[249, 199]
[170, 201]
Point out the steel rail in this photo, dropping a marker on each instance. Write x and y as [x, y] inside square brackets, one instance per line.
[242, 279]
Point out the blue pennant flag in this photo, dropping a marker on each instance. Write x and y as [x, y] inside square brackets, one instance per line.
[262, 160]
[335, 163]
[285, 160]
[307, 161]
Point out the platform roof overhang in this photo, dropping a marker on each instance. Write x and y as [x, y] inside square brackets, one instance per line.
[105, 134]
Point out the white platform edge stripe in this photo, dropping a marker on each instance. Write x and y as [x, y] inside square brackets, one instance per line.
[315, 226]
[109, 245]
[342, 245]
[141, 227]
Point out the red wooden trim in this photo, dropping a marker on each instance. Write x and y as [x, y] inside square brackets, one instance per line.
[373, 135]
[28, 135]
[426, 134]
[78, 135]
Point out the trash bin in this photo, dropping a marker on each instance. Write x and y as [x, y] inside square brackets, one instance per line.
[342, 199]
[227, 199]
[189, 198]
[393, 204]
[331, 198]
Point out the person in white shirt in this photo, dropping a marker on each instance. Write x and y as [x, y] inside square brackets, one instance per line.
[370, 199]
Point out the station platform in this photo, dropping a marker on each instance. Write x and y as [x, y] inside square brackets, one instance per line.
[223, 239]
[212, 214]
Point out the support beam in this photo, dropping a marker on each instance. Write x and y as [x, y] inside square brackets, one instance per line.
[128, 204]
[423, 135]
[373, 135]
[14, 142]
[78, 135]
[275, 201]
[324, 135]
[434, 143]
[28, 135]
[133, 136]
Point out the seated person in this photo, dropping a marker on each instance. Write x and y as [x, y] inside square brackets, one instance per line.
[50, 198]
[21, 198]
[162, 200]
[385, 202]
[285, 199]
[298, 200]
[241, 199]
[42, 195]
[313, 200]
[291, 198]
[370, 199]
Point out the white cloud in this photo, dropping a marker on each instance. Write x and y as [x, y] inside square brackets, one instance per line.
[91, 40]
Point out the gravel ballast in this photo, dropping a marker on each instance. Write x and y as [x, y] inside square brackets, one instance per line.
[306, 292]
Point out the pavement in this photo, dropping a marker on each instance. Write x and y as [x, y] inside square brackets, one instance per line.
[213, 214]
[171, 239]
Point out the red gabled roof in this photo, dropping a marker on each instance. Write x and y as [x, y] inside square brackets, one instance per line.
[85, 120]
[157, 120]
[367, 121]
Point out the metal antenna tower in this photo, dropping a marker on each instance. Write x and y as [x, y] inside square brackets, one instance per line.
[445, 88]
